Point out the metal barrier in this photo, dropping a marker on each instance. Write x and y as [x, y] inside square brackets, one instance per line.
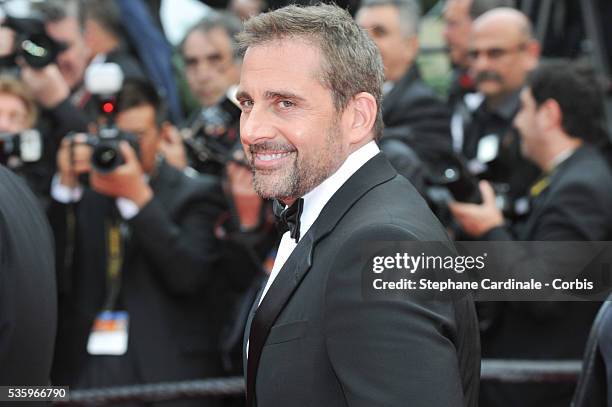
[514, 371]
[530, 371]
[223, 387]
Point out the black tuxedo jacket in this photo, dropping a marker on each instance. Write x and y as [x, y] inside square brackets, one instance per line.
[413, 113]
[315, 341]
[28, 299]
[168, 279]
[576, 206]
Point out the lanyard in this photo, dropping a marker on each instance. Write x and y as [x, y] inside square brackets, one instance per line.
[114, 261]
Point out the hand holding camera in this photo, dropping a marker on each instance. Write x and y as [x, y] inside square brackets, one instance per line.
[478, 219]
[47, 84]
[126, 181]
[74, 159]
[81, 154]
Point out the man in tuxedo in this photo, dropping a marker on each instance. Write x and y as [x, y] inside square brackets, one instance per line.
[501, 53]
[572, 201]
[28, 300]
[458, 17]
[212, 70]
[310, 94]
[137, 253]
[412, 112]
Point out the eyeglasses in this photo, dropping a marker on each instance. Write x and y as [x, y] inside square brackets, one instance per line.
[494, 53]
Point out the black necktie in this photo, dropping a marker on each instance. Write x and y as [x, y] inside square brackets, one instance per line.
[288, 219]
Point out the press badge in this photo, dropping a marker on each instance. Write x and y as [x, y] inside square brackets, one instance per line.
[109, 335]
[488, 148]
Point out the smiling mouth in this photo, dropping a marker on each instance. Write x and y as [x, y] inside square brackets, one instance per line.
[265, 160]
[271, 156]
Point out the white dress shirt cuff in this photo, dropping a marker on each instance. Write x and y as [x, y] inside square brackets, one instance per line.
[64, 194]
[127, 208]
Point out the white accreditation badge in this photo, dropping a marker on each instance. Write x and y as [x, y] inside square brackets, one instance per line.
[109, 335]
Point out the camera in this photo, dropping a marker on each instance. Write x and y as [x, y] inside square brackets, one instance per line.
[104, 81]
[22, 147]
[212, 138]
[453, 181]
[32, 43]
[106, 155]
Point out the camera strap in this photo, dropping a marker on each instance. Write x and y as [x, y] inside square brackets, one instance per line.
[109, 332]
[114, 261]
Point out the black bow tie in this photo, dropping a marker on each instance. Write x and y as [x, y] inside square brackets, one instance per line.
[288, 219]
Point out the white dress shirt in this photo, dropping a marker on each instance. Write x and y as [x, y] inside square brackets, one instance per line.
[64, 194]
[315, 200]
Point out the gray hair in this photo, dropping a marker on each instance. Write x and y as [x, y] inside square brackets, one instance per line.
[105, 13]
[228, 22]
[409, 13]
[52, 11]
[351, 62]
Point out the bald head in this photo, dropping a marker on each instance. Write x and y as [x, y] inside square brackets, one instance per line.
[502, 52]
[506, 19]
[458, 17]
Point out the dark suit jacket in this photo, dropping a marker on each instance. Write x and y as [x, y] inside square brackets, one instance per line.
[576, 206]
[168, 279]
[413, 113]
[28, 300]
[315, 340]
[593, 388]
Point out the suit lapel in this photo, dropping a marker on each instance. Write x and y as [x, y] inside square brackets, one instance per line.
[287, 280]
[247, 329]
[262, 318]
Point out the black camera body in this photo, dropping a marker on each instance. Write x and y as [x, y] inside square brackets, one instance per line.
[32, 43]
[106, 155]
[25, 147]
[453, 182]
[212, 139]
[104, 81]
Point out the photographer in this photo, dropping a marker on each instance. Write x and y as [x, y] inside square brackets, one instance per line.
[136, 248]
[104, 36]
[20, 142]
[571, 201]
[18, 111]
[52, 77]
[502, 50]
[212, 68]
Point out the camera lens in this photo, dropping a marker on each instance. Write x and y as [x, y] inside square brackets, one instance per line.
[37, 50]
[106, 158]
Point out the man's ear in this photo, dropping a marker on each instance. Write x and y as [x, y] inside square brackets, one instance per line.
[412, 49]
[533, 50]
[553, 115]
[165, 131]
[361, 117]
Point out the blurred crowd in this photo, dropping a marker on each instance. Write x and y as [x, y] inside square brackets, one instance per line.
[131, 145]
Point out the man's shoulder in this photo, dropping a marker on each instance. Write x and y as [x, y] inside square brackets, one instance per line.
[587, 169]
[395, 207]
[418, 94]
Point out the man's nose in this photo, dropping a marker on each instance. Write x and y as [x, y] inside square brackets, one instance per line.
[205, 73]
[256, 126]
[480, 62]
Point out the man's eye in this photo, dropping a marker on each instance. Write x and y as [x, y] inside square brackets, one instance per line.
[246, 104]
[378, 32]
[286, 104]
